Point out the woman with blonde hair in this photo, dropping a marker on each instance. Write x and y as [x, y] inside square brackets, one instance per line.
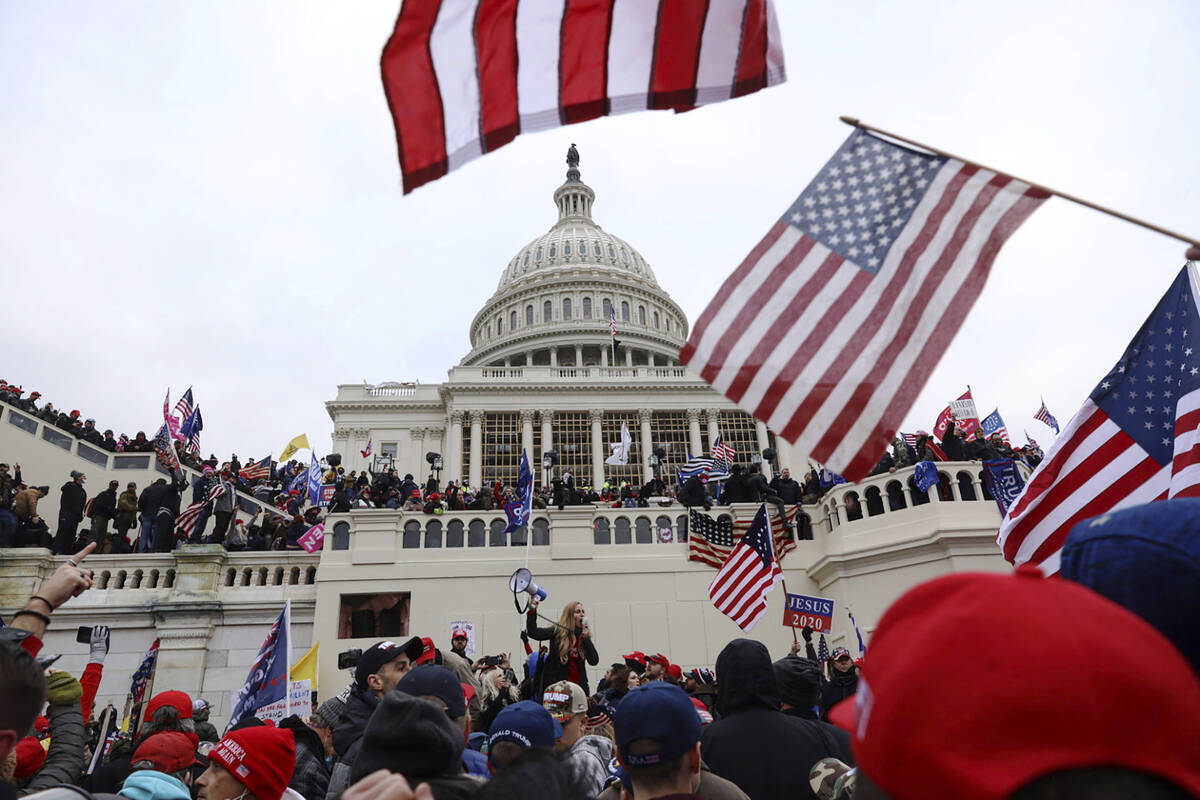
[570, 647]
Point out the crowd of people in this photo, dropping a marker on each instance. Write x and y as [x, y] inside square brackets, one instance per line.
[417, 721]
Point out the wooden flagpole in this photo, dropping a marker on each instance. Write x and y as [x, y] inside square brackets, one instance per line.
[1193, 252]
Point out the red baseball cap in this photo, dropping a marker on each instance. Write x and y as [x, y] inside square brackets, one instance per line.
[261, 758]
[459, 633]
[994, 722]
[659, 658]
[675, 671]
[428, 651]
[30, 757]
[169, 751]
[178, 699]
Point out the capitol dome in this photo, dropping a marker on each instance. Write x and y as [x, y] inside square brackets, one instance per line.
[554, 298]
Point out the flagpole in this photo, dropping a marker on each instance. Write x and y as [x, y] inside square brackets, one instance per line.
[137, 719]
[287, 688]
[783, 583]
[1193, 252]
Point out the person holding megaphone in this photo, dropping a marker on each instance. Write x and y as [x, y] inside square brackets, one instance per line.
[570, 646]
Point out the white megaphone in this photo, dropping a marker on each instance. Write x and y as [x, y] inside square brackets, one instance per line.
[522, 581]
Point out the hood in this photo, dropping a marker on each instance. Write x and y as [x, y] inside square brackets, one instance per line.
[305, 736]
[598, 746]
[147, 784]
[745, 678]
[349, 729]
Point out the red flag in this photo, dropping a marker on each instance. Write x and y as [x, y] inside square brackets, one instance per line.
[465, 77]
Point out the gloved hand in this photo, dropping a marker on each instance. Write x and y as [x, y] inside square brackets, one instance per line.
[62, 689]
[807, 634]
[99, 644]
[524, 637]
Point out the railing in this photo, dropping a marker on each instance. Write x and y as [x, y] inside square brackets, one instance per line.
[393, 389]
[591, 373]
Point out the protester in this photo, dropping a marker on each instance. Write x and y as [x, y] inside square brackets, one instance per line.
[71, 505]
[767, 753]
[127, 509]
[497, 693]
[571, 647]
[310, 778]
[439, 685]
[379, 669]
[517, 728]
[843, 674]
[658, 742]
[990, 728]
[588, 755]
[701, 684]
[162, 768]
[102, 509]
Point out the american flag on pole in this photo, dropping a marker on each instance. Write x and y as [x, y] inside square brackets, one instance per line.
[256, 470]
[141, 677]
[466, 77]
[1043, 415]
[612, 321]
[1136, 439]
[740, 589]
[721, 451]
[164, 448]
[192, 425]
[705, 467]
[710, 541]
[185, 405]
[993, 423]
[830, 327]
[185, 523]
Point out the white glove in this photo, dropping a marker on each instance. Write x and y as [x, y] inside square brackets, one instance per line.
[99, 644]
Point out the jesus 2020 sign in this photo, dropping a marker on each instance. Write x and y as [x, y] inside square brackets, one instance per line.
[803, 611]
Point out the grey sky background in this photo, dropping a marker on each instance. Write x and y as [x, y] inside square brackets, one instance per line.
[208, 194]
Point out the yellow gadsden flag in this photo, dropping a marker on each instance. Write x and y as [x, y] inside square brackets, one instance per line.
[306, 667]
[294, 446]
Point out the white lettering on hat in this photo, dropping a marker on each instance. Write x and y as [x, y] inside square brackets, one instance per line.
[556, 697]
[511, 734]
[387, 645]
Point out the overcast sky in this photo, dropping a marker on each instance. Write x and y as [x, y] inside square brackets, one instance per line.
[208, 194]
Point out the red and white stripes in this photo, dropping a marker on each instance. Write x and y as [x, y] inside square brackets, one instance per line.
[465, 77]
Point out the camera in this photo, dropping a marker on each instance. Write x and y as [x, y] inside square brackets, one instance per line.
[492, 661]
[348, 659]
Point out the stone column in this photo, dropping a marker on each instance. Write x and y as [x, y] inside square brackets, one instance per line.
[693, 418]
[476, 465]
[341, 445]
[554, 356]
[417, 461]
[527, 437]
[579, 355]
[628, 357]
[760, 432]
[784, 457]
[604, 353]
[547, 415]
[453, 455]
[713, 415]
[597, 415]
[645, 444]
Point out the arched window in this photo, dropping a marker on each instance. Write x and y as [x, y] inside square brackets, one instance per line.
[538, 257]
[553, 250]
[529, 314]
[624, 255]
[582, 248]
[499, 324]
[566, 248]
[587, 306]
[607, 308]
[527, 259]
[641, 315]
[489, 331]
[512, 321]
[596, 248]
[566, 308]
[624, 311]
[655, 319]
[547, 311]
[612, 253]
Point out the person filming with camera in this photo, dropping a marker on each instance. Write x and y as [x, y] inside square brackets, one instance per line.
[571, 647]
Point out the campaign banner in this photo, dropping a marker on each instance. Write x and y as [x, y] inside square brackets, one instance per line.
[1004, 481]
[925, 475]
[802, 611]
[300, 697]
[327, 492]
[313, 539]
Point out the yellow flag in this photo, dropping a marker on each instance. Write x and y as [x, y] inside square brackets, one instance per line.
[306, 667]
[294, 446]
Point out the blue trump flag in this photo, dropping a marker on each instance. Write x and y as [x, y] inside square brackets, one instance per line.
[925, 475]
[268, 678]
[1004, 481]
[314, 481]
[519, 511]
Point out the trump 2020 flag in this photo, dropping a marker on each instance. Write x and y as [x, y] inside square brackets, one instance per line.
[1004, 481]
[992, 423]
[314, 481]
[740, 589]
[519, 511]
[1136, 439]
[831, 326]
[466, 77]
[268, 678]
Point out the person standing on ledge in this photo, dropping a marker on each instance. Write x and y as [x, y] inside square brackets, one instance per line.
[570, 647]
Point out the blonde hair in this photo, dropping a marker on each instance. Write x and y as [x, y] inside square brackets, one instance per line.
[566, 622]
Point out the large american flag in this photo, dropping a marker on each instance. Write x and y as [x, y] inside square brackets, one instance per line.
[1043, 415]
[257, 470]
[830, 327]
[141, 677]
[740, 589]
[185, 405]
[1136, 439]
[466, 77]
[185, 523]
[710, 541]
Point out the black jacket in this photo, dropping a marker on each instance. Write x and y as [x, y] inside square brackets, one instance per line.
[347, 737]
[151, 498]
[693, 493]
[787, 489]
[74, 500]
[952, 445]
[310, 777]
[738, 490]
[105, 504]
[767, 753]
[552, 670]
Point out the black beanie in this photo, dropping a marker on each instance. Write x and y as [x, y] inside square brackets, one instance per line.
[799, 681]
[410, 736]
